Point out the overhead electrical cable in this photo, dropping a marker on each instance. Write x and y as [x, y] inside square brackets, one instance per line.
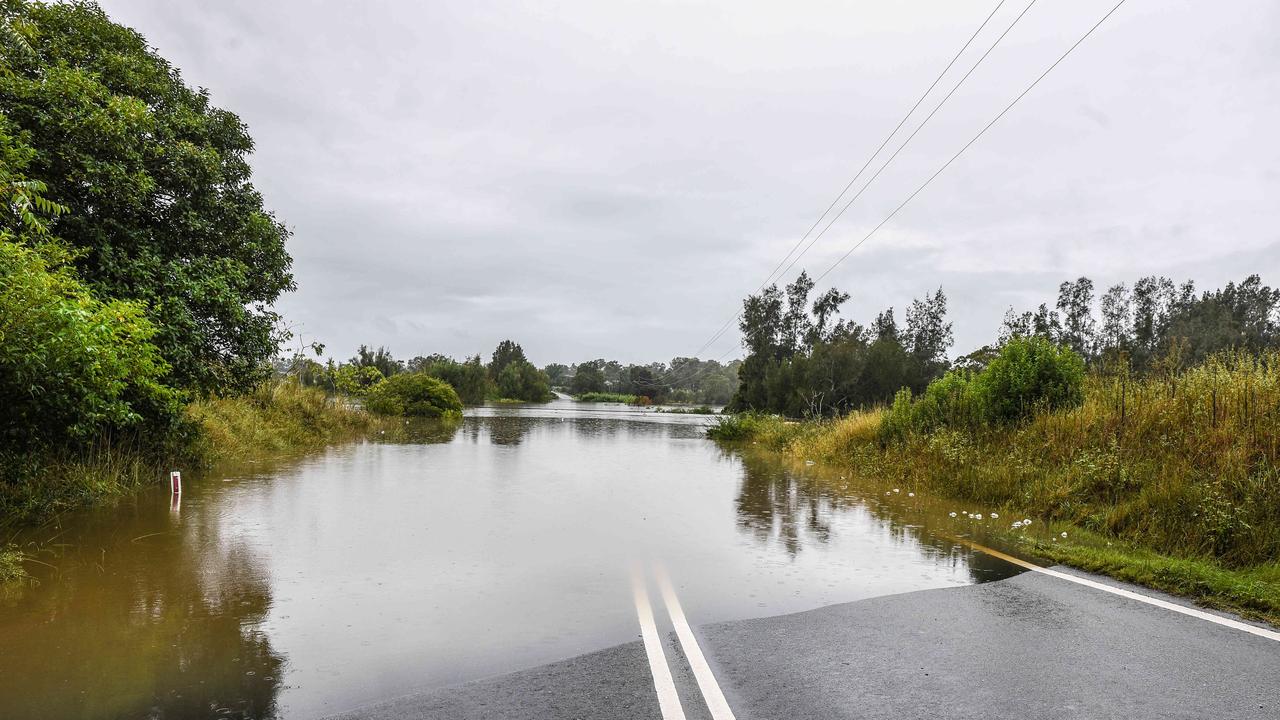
[967, 145]
[725, 327]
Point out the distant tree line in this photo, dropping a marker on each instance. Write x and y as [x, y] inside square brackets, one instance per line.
[803, 362]
[683, 380]
[1154, 321]
[508, 376]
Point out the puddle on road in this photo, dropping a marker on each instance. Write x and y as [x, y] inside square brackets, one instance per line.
[443, 555]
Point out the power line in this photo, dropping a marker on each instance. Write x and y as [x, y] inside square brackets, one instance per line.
[723, 328]
[909, 137]
[885, 142]
[975, 138]
[953, 158]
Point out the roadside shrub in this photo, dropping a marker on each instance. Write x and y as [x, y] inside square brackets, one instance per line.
[72, 366]
[896, 422]
[1029, 374]
[416, 394]
[950, 400]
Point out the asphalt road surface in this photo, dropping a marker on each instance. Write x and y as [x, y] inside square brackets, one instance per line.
[1032, 646]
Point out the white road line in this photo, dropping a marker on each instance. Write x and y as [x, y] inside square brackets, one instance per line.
[1226, 622]
[716, 703]
[668, 699]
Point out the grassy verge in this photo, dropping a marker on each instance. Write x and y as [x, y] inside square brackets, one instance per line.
[280, 419]
[1253, 592]
[1178, 473]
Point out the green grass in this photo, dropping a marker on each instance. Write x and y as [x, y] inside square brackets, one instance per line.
[1252, 592]
[38, 486]
[1177, 471]
[697, 410]
[605, 397]
[11, 565]
[280, 419]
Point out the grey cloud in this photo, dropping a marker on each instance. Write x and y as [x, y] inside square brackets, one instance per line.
[609, 179]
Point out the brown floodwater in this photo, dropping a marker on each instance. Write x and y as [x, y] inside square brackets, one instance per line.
[438, 555]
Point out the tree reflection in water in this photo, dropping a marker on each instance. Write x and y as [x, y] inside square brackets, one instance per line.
[170, 628]
[777, 504]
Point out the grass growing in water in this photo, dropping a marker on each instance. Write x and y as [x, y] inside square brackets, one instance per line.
[11, 565]
[606, 397]
[276, 419]
[1178, 471]
[693, 410]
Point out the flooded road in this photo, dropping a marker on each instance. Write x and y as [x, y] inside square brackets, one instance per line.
[445, 554]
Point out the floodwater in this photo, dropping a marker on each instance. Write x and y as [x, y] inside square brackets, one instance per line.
[435, 556]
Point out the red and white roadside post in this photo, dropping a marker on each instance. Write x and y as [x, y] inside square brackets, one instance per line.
[175, 482]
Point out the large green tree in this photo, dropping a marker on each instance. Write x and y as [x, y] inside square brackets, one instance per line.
[156, 180]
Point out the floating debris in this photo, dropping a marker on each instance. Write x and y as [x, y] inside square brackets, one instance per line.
[953, 514]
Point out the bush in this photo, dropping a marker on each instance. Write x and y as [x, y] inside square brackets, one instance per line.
[1028, 375]
[416, 394]
[520, 380]
[72, 366]
[899, 420]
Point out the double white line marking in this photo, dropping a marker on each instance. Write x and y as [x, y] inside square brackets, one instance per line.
[668, 698]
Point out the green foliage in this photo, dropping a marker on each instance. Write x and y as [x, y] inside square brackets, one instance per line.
[739, 427]
[469, 379]
[588, 377]
[520, 380]
[557, 374]
[380, 359]
[415, 394]
[11, 565]
[277, 418]
[605, 397]
[803, 363]
[71, 366]
[1026, 376]
[1029, 374]
[354, 380]
[507, 353]
[156, 186]
[1155, 321]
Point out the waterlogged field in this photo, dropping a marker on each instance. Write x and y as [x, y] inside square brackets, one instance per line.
[443, 554]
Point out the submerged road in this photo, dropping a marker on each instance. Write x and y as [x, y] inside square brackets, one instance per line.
[1031, 646]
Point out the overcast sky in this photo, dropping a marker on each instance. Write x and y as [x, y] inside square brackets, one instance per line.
[596, 178]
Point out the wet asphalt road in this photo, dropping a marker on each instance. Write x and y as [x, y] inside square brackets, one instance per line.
[1031, 646]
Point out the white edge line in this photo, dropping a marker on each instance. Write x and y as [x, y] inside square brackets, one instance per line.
[716, 703]
[1193, 612]
[668, 699]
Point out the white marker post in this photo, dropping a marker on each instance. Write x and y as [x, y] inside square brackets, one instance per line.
[175, 482]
